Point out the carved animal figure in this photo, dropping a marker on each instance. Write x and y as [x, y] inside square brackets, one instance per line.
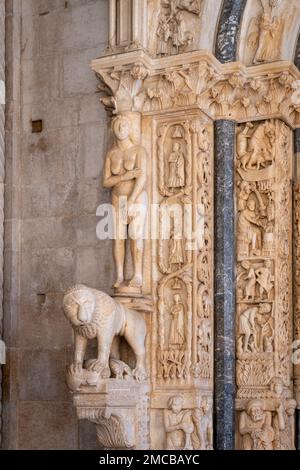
[93, 314]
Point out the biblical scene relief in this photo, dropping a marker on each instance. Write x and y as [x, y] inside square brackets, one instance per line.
[268, 25]
[264, 314]
[188, 429]
[267, 37]
[176, 25]
[183, 343]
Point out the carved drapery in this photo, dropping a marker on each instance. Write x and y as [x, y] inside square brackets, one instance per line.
[264, 322]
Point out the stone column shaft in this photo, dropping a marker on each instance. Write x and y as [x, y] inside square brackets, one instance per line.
[224, 383]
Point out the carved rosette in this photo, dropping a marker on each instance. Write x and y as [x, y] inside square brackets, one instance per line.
[264, 255]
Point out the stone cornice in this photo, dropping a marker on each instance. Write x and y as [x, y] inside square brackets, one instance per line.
[137, 82]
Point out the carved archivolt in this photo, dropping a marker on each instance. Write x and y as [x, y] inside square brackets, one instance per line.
[264, 246]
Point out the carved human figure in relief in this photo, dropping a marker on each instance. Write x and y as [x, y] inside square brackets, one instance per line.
[252, 327]
[270, 28]
[177, 328]
[283, 425]
[255, 427]
[265, 280]
[176, 252]
[249, 229]
[179, 425]
[163, 33]
[202, 418]
[176, 167]
[125, 172]
[250, 284]
[243, 143]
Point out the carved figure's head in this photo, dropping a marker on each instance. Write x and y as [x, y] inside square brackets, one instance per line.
[205, 406]
[265, 308]
[79, 305]
[277, 386]
[290, 407]
[251, 205]
[175, 404]
[255, 409]
[121, 127]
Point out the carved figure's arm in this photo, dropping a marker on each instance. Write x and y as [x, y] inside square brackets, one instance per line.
[141, 180]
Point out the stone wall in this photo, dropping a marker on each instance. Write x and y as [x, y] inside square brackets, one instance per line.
[52, 191]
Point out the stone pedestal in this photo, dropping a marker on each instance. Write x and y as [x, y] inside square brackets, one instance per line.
[119, 409]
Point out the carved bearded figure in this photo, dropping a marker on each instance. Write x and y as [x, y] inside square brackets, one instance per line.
[256, 427]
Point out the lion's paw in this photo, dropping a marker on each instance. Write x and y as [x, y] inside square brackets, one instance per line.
[105, 373]
[97, 366]
[139, 374]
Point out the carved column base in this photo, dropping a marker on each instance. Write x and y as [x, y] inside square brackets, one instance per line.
[119, 410]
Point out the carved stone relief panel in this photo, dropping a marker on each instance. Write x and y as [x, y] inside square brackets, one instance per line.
[177, 26]
[263, 273]
[268, 29]
[296, 353]
[182, 327]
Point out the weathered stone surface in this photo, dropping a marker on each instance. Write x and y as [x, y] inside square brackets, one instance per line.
[47, 426]
[163, 74]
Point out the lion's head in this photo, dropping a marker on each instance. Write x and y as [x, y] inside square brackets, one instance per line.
[86, 309]
[79, 305]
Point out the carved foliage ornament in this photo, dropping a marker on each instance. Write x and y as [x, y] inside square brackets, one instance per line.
[234, 95]
[184, 163]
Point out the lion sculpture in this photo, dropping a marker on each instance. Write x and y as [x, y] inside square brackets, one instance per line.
[93, 314]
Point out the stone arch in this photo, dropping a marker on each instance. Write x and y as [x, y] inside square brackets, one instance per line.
[228, 30]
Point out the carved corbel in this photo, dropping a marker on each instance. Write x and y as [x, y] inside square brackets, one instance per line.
[122, 90]
[114, 430]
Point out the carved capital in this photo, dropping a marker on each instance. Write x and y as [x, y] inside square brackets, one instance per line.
[138, 82]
